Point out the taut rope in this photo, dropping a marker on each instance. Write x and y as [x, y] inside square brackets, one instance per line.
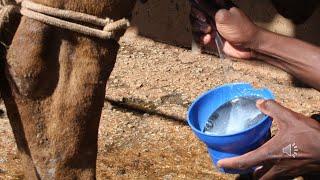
[55, 17]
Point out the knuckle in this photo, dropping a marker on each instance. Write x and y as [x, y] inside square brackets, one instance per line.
[268, 104]
[242, 165]
[234, 10]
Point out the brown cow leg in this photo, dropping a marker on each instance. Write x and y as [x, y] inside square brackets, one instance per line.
[55, 97]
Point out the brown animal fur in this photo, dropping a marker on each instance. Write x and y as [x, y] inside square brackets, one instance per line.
[55, 93]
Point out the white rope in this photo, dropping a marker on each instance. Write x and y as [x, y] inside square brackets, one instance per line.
[55, 17]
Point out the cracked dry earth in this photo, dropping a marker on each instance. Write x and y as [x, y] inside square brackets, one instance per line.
[143, 133]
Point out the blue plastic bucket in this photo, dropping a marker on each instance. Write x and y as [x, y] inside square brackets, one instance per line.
[226, 146]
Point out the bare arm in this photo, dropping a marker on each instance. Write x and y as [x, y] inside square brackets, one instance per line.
[246, 40]
[298, 58]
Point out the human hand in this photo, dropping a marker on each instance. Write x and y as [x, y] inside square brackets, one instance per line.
[240, 33]
[301, 133]
[202, 21]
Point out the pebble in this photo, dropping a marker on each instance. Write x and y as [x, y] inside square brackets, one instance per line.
[139, 85]
[131, 126]
[187, 58]
[146, 115]
[121, 172]
[3, 160]
[2, 171]
[169, 176]
[116, 81]
[145, 150]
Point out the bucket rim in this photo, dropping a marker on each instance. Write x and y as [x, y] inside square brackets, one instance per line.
[219, 87]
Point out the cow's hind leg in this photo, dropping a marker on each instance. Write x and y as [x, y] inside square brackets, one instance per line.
[55, 97]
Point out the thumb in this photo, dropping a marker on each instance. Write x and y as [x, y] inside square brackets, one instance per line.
[222, 16]
[273, 109]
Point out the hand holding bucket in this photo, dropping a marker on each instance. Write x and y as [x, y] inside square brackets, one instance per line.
[231, 145]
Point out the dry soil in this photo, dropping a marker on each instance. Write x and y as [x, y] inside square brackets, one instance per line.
[143, 133]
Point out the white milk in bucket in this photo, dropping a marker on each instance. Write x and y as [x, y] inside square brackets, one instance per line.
[234, 116]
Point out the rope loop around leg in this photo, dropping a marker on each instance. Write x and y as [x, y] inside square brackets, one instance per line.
[58, 17]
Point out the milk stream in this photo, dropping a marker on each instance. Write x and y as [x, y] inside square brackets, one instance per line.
[234, 116]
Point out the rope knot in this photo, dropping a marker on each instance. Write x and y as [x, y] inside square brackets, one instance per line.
[55, 17]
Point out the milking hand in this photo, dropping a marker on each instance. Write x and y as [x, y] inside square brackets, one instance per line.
[209, 8]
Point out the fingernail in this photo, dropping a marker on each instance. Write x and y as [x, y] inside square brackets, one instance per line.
[258, 168]
[206, 39]
[260, 101]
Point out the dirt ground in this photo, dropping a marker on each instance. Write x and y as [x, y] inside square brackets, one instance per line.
[143, 132]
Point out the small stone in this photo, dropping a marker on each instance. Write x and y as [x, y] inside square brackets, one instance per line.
[3, 160]
[168, 177]
[2, 171]
[131, 126]
[121, 172]
[139, 85]
[145, 150]
[116, 81]
[198, 70]
[185, 103]
[187, 58]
